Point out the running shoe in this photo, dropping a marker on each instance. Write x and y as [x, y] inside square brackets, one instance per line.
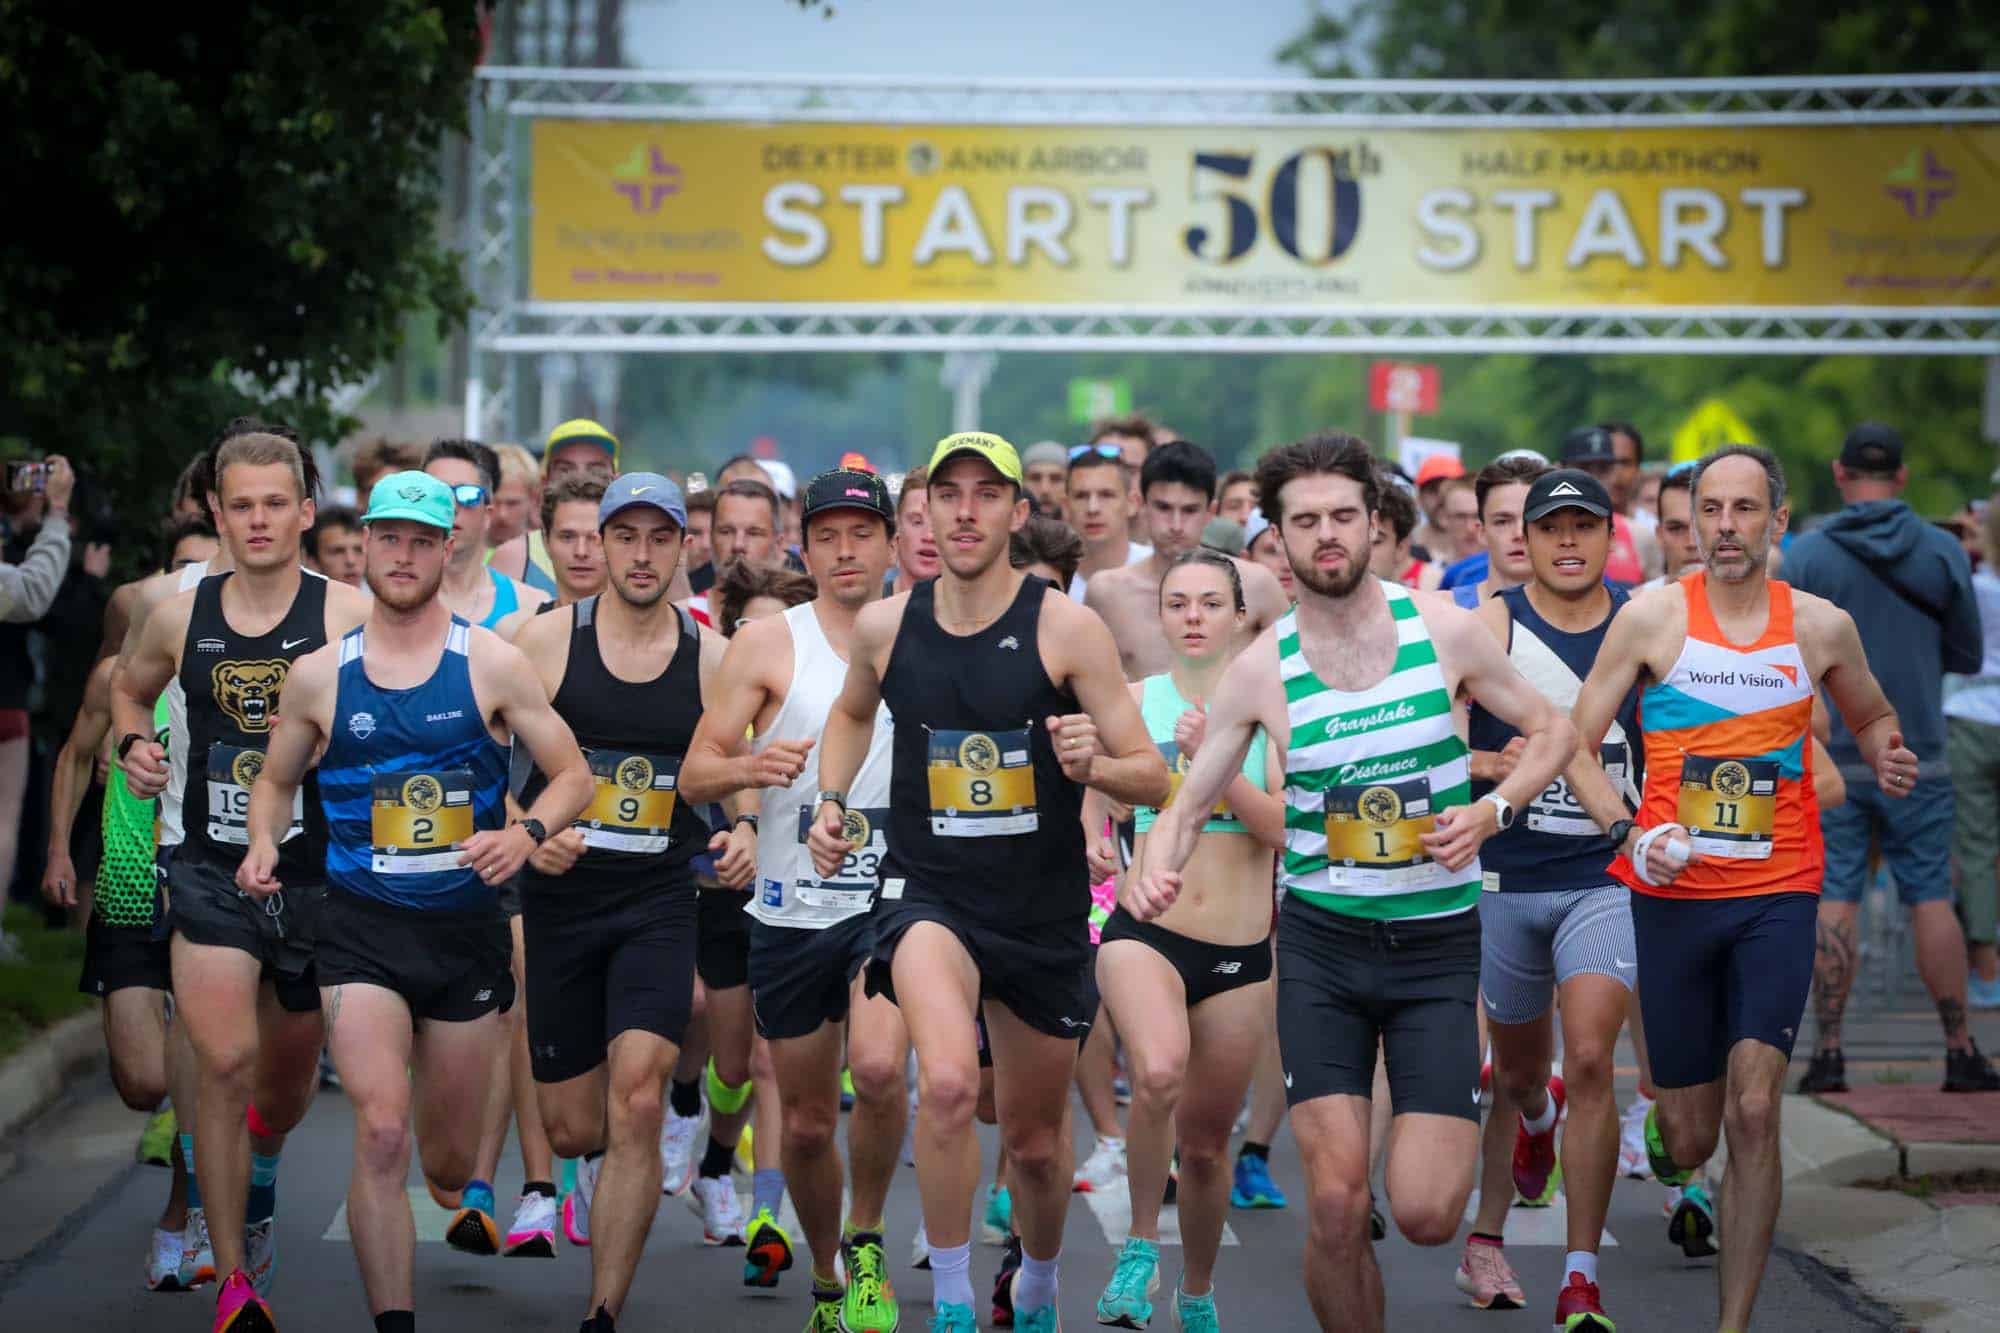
[1127, 1301]
[1981, 993]
[998, 1224]
[1632, 1139]
[163, 1263]
[600, 1322]
[1195, 1314]
[156, 1141]
[869, 1304]
[239, 1309]
[533, 1233]
[1826, 1073]
[1253, 1186]
[1969, 1071]
[197, 1255]
[1487, 1279]
[472, 1228]
[1378, 1225]
[950, 1318]
[1003, 1284]
[847, 1089]
[1536, 1170]
[768, 1251]
[260, 1252]
[677, 1140]
[1041, 1319]
[1692, 1227]
[576, 1204]
[825, 1316]
[746, 1150]
[920, 1248]
[1578, 1309]
[1103, 1169]
[721, 1211]
[1665, 1169]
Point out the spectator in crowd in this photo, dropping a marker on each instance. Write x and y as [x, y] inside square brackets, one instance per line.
[701, 525]
[1236, 495]
[916, 545]
[1389, 558]
[1611, 454]
[1909, 589]
[377, 458]
[334, 544]
[1046, 468]
[1972, 748]
[1102, 507]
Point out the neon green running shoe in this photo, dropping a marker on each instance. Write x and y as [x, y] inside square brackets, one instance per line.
[1664, 1169]
[825, 1316]
[870, 1303]
[768, 1251]
[156, 1141]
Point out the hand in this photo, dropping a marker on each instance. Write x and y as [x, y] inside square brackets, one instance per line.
[257, 874]
[1458, 833]
[1508, 756]
[735, 856]
[495, 854]
[779, 763]
[145, 766]
[1663, 866]
[1189, 728]
[1075, 741]
[827, 842]
[1100, 850]
[1895, 767]
[1148, 896]
[558, 852]
[1120, 812]
[61, 484]
[59, 879]
[97, 559]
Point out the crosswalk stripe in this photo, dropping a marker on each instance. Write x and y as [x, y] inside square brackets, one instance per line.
[431, 1219]
[1113, 1210]
[1538, 1226]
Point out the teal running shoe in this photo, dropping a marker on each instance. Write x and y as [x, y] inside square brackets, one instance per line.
[1253, 1186]
[1127, 1299]
[952, 1318]
[1692, 1226]
[998, 1224]
[1195, 1314]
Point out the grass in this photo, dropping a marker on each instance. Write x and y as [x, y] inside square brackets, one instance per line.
[1978, 1180]
[39, 991]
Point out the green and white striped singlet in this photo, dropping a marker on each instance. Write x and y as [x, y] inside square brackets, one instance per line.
[1365, 774]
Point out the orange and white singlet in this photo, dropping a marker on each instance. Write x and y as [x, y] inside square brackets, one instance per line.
[1729, 758]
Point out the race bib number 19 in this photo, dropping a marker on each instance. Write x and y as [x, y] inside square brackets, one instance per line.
[232, 771]
[419, 820]
[982, 783]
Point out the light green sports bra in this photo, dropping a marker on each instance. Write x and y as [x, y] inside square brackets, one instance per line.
[1162, 705]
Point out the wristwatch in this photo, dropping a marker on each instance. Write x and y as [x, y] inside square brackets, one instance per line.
[746, 818]
[839, 798]
[1503, 810]
[535, 830]
[128, 740]
[1620, 830]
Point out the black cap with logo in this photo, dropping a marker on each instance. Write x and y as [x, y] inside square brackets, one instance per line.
[1566, 488]
[1589, 444]
[1872, 447]
[849, 488]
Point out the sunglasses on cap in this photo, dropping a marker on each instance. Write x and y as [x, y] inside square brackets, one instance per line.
[1077, 451]
[469, 495]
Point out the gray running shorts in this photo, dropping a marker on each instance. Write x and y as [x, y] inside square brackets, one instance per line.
[1530, 943]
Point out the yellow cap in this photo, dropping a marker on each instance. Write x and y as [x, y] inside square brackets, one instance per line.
[989, 447]
[582, 429]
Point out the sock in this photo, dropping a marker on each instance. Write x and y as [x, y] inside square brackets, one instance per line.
[1487, 1238]
[263, 1198]
[767, 1190]
[1250, 1149]
[187, 1160]
[1035, 1284]
[853, 1233]
[684, 1098]
[951, 1276]
[1542, 1123]
[396, 1321]
[545, 1188]
[826, 1286]
[1580, 1261]
[715, 1162]
[722, 1098]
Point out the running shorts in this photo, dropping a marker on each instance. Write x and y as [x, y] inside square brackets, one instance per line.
[1043, 975]
[600, 964]
[119, 957]
[722, 949]
[1207, 970]
[449, 967]
[801, 979]
[1533, 942]
[280, 932]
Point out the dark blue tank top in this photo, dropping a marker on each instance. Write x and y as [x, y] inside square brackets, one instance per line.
[407, 776]
[1553, 844]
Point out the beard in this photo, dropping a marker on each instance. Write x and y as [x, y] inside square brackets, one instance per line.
[403, 596]
[640, 598]
[1329, 585]
[1755, 557]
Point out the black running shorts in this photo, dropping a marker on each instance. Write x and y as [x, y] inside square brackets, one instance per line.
[1042, 974]
[599, 964]
[449, 967]
[1207, 970]
[121, 957]
[206, 907]
[801, 980]
[722, 953]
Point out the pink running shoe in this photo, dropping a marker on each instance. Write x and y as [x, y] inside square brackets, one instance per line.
[576, 1205]
[1487, 1279]
[239, 1309]
[1535, 1154]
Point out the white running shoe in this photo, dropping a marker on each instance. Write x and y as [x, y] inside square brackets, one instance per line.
[197, 1255]
[576, 1207]
[163, 1265]
[920, 1247]
[1103, 1169]
[721, 1211]
[678, 1134]
[260, 1254]
[533, 1233]
[1632, 1160]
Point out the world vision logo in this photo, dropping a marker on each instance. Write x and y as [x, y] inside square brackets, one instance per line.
[645, 178]
[1920, 183]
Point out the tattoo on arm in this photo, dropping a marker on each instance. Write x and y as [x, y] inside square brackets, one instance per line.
[1833, 977]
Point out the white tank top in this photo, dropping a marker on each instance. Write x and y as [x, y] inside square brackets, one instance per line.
[177, 734]
[788, 892]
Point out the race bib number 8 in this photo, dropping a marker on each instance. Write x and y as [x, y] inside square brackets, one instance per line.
[1372, 833]
[1177, 769]
[632, 803]
[231, 774]
[982, 784]
[1729, 806]
[419, 820]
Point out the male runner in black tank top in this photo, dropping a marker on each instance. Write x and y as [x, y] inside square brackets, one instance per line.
[232, 640]
[609, 903]
[1007, 699]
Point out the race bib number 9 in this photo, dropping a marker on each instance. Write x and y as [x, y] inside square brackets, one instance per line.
[632, 803]
[231, 774]
[982, 784]
[419, 820]
[1177, 769]
[1372, 833]
[853, 884]
[1729, 806]
[1556, 810]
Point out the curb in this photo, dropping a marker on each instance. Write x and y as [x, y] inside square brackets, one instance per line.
[40, 1072]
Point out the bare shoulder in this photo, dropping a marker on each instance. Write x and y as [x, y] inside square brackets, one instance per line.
[312, 676]
[1253, 684]
[1450, 624]
[1656, 611]
[1257, 580]
[1819, 625]
[492, 657]
[540, 633]
[1494, 615]
[757, 642]
[346, 607]
[1113, 585]
[875, 629]
[168, 621]
[526, 594]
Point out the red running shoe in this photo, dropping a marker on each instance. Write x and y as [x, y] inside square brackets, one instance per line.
[1578, 1310]
[1535, 1154]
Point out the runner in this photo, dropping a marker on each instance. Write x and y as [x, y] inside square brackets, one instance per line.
[1500, 490]
[1177, 485]
[916, 544]
[811, 935]
[411, 709]
[1725, 858]
[1007, 700]
[1378, 941]
[609, 905]
[243, 970]
[472, 588]
[1389, 558]
[1103, 508]
[1611, 453]
[576, 448]
[1191, 990]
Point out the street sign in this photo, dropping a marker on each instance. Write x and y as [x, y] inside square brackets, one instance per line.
[1094, 400]
[1397, 386]
[1710, 426]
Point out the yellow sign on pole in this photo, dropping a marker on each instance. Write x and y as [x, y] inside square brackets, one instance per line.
[1710, 426]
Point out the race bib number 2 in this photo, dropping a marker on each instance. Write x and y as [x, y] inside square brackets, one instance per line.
[418, 821]
[232, 771]
[982, 783]
[1373, 832]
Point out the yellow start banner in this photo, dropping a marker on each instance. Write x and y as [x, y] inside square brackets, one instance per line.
[1193, 217]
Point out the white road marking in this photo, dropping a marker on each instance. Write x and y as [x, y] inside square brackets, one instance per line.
[431, 1219]
[1537, 1226]
[1113, 1209]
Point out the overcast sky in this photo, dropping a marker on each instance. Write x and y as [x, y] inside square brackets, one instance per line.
[1024, 38]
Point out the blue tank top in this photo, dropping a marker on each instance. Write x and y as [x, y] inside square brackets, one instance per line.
[1553, 844]
[407, 776]
[505, 603]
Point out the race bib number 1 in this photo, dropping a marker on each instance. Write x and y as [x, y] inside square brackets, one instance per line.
[632, 802]
[1729, 806]
[982, 784]
[232, 771]
[419, 820]
[1372, 833]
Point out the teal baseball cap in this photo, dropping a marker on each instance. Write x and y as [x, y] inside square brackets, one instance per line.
[416, 496]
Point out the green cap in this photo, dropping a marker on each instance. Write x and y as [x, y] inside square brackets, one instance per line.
[416, 496]
[989, 447]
